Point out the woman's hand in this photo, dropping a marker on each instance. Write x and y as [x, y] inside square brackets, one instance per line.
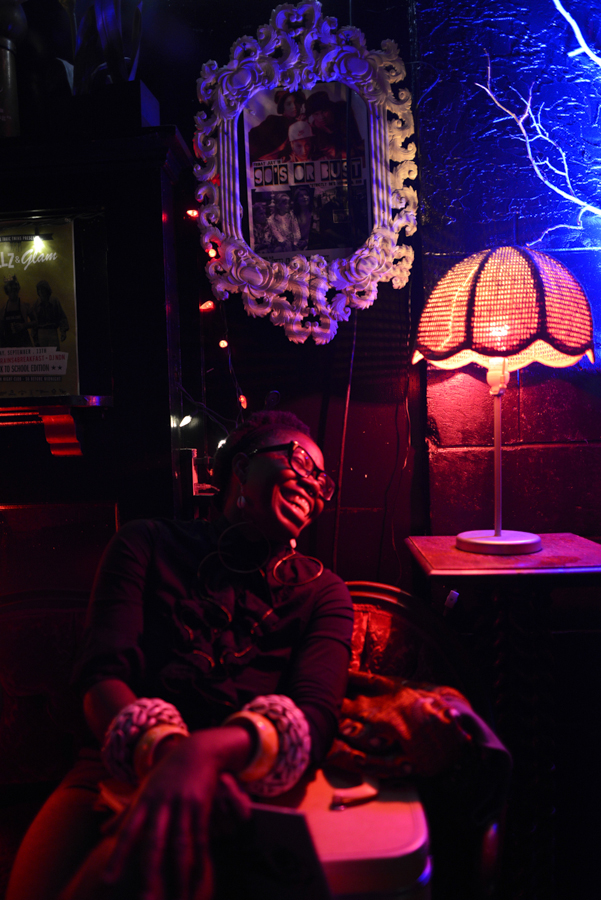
[162, 847]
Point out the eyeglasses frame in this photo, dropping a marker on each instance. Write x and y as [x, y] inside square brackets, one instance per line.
[291, 446]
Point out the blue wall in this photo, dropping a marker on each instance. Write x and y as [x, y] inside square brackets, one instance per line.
[479, 189]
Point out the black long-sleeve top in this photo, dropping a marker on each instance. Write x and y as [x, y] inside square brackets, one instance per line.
[170, 618]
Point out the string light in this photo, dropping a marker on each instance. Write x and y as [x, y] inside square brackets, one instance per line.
[207, 306]
[185, 421]
[242, 401]
[223, 344]
[212, 253]
[192, 213]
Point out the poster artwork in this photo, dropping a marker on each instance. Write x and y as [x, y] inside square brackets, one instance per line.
[304, 149]
[38, 324]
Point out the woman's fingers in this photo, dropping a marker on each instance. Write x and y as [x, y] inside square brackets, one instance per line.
[163, 849]
[151, 853]
[127, 837]
[235, 799]
[181, 854]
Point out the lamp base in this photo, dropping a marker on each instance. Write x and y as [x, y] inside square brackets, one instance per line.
[508, 543]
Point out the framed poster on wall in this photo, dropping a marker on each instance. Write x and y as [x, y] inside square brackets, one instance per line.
[307, 179]
[38, 314]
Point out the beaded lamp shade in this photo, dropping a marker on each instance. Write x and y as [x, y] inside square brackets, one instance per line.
[504, 309]
[511, 302]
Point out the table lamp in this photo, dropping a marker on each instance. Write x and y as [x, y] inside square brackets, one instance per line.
[504, 309]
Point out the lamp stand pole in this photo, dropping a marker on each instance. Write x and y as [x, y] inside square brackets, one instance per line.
[497, 401]
[498, 542]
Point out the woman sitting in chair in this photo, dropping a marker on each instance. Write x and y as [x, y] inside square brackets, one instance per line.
[243, 645]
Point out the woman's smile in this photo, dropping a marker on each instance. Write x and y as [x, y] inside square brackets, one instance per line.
[298, 500]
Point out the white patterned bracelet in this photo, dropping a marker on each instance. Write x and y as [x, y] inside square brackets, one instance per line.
[294, 744]
[129, 726]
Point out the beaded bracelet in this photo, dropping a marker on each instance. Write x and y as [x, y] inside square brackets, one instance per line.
[129, 726]
[294, 743]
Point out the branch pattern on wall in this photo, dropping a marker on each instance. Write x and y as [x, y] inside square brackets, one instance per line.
[308, 296]
[553, 160]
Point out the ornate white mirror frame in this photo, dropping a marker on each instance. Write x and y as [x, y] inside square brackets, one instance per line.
[299, 48]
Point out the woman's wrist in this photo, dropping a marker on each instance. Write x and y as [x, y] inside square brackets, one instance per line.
[231, 747]
[152, 745]
[166, 745]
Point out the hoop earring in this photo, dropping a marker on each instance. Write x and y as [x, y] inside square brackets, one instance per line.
[227, 552]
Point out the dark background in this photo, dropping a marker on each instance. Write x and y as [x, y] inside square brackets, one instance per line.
[379, 498]
[477, 189]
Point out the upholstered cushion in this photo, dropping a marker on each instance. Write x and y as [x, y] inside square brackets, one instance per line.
[383, 641]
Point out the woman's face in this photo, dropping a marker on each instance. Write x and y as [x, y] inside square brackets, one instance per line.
[278, 500]
[322, 119]
[281, 204]
[290, 108]
[303, 198]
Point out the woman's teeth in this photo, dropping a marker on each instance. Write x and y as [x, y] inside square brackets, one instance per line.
[302, 503]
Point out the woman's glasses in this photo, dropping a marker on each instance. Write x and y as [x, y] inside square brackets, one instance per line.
[302, 463]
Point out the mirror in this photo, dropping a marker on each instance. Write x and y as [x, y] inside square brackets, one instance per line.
[305, 170]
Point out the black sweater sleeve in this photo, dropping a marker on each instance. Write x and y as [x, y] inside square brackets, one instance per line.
[110, 646]
[320, 670]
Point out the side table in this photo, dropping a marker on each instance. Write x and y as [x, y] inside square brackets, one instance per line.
[515, 658]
